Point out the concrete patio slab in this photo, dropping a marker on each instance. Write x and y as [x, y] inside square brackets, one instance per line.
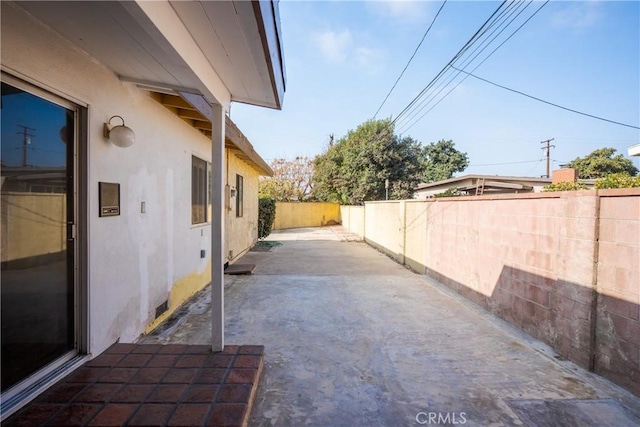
[352, 338]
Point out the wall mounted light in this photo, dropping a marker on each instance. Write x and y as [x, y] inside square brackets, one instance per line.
[119, 135]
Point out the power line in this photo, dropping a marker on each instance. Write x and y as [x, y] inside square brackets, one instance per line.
[442, 86]
[446, 67]
[477, 66]
[410, 59]
[547, 102]
[507, 163]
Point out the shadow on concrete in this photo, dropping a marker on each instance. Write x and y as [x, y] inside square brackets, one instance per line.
[597, 332]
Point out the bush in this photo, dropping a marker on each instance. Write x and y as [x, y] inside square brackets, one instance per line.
[618, 180]
[564, 186]
[450, 192]
[266, 216]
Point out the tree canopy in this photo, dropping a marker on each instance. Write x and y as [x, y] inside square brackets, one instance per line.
[442, 160]
[601, 163]
[291, 180]
[355, 168]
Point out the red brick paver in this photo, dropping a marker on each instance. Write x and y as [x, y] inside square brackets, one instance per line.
[152, 385]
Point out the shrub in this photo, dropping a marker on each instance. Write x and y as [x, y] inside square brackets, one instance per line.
[564, 186]
[618, 180]
[450, 192]
[266, 216]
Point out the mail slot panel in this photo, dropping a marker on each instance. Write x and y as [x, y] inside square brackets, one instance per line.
[109, 199]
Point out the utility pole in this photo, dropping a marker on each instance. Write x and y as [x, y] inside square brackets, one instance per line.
[547, 153]
[26, 140]
[386, 189]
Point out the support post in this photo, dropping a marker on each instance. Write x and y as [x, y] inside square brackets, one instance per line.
[217, 227]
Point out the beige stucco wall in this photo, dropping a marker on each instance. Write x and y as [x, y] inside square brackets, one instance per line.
[352, 218]
[241, 233]
[27, 214]
[136, 260]
[383, 227]
[305, 214]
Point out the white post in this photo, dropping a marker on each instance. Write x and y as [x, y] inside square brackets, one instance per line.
[217, 228]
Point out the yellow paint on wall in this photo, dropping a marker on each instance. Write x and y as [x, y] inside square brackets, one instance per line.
[181, 291]
[305, 214]
[25, 215]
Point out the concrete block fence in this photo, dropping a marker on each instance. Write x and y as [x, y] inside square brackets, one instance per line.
[564, 267]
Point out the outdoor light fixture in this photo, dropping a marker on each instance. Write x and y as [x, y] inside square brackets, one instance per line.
[119, 135]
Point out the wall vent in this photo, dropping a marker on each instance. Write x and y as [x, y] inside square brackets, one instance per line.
[162, 308]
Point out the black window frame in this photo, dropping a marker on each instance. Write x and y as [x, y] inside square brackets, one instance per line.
[199, 191]
[239, 195]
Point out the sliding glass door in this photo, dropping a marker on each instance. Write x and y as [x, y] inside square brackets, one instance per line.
[38, 283]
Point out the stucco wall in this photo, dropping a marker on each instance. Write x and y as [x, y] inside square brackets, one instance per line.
[382, 224]
[303, 214]
[352, 218]
[136, 260]
[241, 232]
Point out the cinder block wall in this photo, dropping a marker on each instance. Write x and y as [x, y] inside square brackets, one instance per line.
[618, 314]
[564, 267]
[528, 259]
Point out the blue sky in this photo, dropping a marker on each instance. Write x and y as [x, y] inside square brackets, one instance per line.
[342, 57]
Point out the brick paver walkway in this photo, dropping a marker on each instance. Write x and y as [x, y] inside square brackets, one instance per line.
[152, 385]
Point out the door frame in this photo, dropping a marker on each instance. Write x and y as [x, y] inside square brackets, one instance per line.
[31, 386]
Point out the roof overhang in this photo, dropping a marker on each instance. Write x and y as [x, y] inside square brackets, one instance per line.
[634, 150]
[497, 185]
[224, 50]
[516, 180]
[196, 111]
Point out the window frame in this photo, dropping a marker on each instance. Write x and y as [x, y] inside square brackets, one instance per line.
[201, 191]
[239, 196]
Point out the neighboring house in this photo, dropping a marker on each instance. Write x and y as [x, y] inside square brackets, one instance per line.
[634, 150]
[482, 184]
[100, 242]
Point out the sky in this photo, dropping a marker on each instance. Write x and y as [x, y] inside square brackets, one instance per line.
[44, 121]
[342, 58]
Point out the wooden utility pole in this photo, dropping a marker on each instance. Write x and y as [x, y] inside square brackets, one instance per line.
[548, 148]
[26, 140]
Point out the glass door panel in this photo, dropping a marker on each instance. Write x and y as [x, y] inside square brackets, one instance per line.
[37, 214]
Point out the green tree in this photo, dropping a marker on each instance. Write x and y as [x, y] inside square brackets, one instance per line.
[442, 160]
[601, 163]
[291, 180]
[618, 180]
[354, 169]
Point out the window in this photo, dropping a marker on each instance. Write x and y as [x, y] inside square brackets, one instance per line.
[199, 191]
[239, 195]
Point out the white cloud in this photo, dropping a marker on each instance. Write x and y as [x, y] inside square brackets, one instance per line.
[401, 10]
[368, 58]
[335, 46]
[577, 15]
[341, 47]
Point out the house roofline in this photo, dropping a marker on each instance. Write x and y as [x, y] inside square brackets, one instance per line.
[474, 176]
